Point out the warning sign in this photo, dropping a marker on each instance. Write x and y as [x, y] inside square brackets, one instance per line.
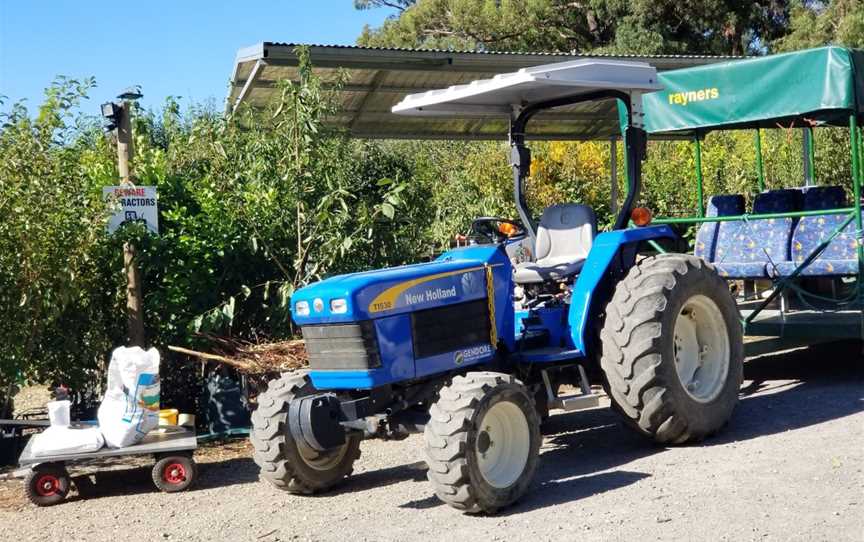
[134, 204]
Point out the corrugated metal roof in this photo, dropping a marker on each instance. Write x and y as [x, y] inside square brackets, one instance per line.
[374, 79]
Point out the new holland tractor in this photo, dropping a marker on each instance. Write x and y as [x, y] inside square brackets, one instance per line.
[471, 349]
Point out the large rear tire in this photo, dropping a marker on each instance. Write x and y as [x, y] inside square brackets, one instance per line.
[482, 442]
[286, 462]
[673, 349]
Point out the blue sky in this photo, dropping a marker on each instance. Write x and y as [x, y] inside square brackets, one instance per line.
[179, 47]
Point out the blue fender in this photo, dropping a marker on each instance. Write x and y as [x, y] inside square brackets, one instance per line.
[584, 295]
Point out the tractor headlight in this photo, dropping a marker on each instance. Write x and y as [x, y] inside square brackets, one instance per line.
[338, 306]
[302, 308]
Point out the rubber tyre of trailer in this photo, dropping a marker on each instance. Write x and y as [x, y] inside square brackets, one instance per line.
[47, 484]
[173, 473]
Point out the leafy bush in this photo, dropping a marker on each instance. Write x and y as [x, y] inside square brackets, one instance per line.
[58, 298]
[257, 204]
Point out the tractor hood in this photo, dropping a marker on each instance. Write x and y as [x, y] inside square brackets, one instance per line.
[455, 277]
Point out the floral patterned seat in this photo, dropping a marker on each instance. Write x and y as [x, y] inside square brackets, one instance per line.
[840, 257]
[706, 236]
[747, 248]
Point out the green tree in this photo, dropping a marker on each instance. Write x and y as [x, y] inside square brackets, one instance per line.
[612, 26]
[812, 24]
[400, 5]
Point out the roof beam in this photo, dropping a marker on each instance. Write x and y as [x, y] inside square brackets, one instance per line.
[348, 87]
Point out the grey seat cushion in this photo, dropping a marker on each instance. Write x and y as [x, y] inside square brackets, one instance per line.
[531, 272]
[564, 239]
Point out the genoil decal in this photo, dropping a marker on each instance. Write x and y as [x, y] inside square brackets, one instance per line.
[472, 354]
[689, 96]
[432, 290]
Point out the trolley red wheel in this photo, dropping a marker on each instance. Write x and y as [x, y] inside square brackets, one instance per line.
[174, 473]
[47, 484]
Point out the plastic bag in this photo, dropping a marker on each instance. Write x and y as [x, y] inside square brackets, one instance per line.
[130, 408]
[59, 413]
[60, 440]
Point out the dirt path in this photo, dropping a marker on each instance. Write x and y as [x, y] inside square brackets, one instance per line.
[789, 467]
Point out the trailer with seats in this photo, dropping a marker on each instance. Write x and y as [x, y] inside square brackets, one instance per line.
[792, 249]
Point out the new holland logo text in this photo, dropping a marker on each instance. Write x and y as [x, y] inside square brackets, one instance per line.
[430, 295]
[684, 98]
[471, 354]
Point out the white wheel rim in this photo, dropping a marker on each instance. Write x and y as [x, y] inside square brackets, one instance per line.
[320, 460]
[503, 444]
[701, 348]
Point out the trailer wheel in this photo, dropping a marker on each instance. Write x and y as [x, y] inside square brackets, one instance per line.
[673, 349]
[47, 484]
[174, 473]
[289, 463]
[482, 442]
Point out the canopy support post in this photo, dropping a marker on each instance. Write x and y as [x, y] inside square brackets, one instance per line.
[856, 191]
[760, 166]
[247, 87]
[808, 155]
[520, 161]
[635, 149]
[613, 174]
[699, 198]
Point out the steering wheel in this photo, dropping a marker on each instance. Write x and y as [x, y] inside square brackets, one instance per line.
[491, 229]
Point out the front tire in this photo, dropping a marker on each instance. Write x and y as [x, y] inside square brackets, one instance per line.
[482, 442]
[673, 349]
[286, 462]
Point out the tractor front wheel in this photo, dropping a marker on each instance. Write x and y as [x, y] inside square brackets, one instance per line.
[287, 461]
[673, 349]
[482, 442]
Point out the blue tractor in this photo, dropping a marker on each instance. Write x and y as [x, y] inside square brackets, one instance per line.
[473, 347]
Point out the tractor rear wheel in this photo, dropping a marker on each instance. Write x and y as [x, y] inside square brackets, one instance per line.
[288, 462]
[673, 349]
[482, 442]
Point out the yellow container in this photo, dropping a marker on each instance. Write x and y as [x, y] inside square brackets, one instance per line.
[168, 416]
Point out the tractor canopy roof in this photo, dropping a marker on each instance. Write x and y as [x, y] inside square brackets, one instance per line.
[504, 94]
[803, 88]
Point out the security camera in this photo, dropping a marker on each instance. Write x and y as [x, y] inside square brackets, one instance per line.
[111, 112]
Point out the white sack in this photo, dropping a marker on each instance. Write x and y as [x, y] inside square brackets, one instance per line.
[130, 408]
[58, 440]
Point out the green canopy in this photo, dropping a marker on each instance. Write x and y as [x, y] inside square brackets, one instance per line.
[791, 89]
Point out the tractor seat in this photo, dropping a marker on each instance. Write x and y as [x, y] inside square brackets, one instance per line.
[564, 239]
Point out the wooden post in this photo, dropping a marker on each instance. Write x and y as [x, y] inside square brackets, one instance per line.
[134, 305]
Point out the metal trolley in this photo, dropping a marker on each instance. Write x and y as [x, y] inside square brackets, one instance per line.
[47, 482]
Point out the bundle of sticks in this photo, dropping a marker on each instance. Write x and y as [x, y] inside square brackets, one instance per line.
[252, 358]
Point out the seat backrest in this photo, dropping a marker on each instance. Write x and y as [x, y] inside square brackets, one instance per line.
[706, 235]
[812, 230]
[566, 232]
[760, 239]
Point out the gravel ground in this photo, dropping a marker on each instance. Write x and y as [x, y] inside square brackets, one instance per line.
[789, 467]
